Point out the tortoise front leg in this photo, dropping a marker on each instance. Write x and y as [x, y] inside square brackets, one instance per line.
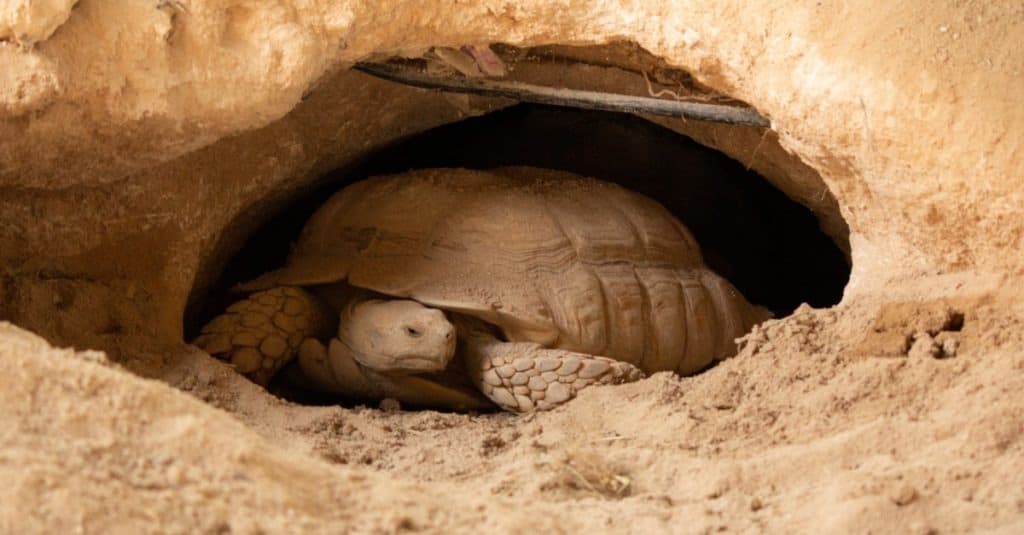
[522, 376]
[260, 334]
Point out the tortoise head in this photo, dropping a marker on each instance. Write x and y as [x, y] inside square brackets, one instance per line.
[398, 335]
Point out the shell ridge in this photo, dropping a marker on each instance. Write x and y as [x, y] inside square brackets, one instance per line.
[642, 244]
[684, 318]
[603, 294]
[648, 340]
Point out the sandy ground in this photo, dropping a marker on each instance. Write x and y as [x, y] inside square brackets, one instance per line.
[913, 427]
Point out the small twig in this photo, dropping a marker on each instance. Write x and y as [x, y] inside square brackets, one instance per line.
[616, 486]
[668, 92]
[613, 438]
[568, 97]
[586, 483]
[661, 93]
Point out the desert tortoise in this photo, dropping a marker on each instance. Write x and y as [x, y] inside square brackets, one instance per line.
[548, 282]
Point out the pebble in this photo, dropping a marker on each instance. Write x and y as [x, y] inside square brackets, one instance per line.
[903, 495]
[950, 347]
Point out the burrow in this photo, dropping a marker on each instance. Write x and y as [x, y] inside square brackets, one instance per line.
[764, 219]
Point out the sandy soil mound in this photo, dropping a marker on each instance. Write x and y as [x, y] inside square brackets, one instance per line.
[801, 432]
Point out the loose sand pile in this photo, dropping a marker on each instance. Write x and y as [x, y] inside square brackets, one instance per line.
[142, 143]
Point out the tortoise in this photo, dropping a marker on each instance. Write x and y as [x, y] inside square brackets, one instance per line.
[465, 289]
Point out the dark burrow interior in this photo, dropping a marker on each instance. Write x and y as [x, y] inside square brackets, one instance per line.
[767, 245]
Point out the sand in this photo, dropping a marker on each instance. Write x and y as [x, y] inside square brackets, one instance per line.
[799, 433]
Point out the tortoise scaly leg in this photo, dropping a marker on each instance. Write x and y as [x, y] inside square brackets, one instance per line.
[522, 376]
[260, 334]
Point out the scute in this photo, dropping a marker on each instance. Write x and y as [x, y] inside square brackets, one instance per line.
[547, 256]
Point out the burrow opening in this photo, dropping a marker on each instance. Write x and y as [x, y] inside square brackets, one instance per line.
[769, 246]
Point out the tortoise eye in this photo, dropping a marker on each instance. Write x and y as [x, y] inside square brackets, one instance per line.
[413, 332]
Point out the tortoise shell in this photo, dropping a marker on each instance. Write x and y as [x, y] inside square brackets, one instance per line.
[546, 256]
